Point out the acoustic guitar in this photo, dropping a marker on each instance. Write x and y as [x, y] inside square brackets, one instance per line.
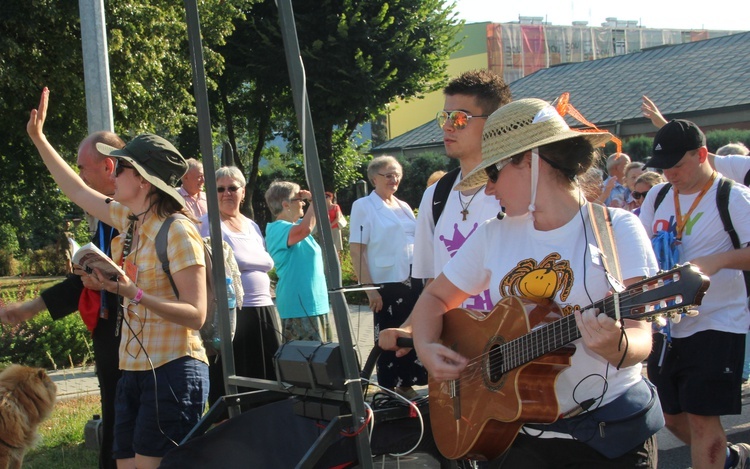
[518, 350]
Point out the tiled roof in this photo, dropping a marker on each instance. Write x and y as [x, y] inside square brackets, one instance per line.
[696, 77]
[426, 135]
[686, 78]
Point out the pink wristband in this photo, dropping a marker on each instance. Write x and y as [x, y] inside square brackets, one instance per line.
[137, 298]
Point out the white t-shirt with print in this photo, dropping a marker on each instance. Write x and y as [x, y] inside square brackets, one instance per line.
[724, 308]
[562, 264]
[434, 245]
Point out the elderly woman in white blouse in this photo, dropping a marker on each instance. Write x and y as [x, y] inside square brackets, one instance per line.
[381, 242]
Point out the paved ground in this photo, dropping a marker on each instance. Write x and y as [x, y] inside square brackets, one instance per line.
[75, 382]
[672, 453]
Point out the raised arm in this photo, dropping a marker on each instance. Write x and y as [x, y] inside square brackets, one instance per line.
[70, 183]
[649, 109]
[303, 229]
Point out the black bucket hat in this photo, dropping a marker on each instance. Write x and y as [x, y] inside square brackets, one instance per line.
[155, 159]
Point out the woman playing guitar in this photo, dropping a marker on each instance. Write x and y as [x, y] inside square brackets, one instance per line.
[543, 250]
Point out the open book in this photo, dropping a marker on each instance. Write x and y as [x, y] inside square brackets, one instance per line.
[89, 257]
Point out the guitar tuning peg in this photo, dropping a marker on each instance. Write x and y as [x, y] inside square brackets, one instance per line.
[691, 313]
[676, 318]
[660, 321]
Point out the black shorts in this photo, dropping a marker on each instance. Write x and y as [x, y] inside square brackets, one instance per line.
[700, 374]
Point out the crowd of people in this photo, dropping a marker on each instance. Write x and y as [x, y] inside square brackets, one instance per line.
[544, 178]
[154, 372]
[518, 222]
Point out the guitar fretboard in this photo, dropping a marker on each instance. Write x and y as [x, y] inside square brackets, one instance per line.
[549, 337]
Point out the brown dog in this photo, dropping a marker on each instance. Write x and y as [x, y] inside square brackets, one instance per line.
[27, 396]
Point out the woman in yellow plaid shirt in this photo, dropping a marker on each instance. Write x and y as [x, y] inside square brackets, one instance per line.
[164, 384]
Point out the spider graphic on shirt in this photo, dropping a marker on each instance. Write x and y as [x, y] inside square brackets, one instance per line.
[541, 280]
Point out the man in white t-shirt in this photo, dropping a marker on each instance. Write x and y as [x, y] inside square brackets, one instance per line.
[469, 99]
[696, 387]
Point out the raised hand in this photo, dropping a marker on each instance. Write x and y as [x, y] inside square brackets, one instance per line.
[35, 126]
[650, 111]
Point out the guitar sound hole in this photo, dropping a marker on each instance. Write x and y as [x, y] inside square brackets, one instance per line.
[495, 368]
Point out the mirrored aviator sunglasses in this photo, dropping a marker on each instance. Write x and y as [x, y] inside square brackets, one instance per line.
[459, 119]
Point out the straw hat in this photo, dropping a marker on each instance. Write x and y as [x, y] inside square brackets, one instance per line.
[520, 126]
[155, 159]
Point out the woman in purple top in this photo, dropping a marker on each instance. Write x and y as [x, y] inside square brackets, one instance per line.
[257, 336]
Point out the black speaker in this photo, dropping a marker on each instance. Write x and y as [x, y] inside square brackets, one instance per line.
[310, 364]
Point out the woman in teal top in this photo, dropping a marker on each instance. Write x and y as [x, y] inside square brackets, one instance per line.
[301, 294]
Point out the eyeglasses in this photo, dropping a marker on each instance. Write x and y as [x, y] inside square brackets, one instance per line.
[391, 176]
[493, 170]
[460, 119]
[120, 167]
[638, 195]
[297, 199]
[221, 189]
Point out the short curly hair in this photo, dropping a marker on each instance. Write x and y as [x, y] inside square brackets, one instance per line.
[488, 89]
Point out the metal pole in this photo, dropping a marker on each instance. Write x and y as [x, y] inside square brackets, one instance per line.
[96, 66]
[204, 135]
[332, 267]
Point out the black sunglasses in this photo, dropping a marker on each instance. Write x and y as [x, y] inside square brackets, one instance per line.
[221, 189]
[492, 173]
[120, 167]
[638, 195]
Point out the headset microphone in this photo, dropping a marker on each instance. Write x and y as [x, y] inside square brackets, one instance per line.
[500, 215]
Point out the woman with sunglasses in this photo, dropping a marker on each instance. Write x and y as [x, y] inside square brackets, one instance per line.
[301, 293]
[642, 185]
[544, 249]
[162, 392]
[256, 337]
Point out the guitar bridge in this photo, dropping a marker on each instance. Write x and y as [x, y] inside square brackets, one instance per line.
[454, 390]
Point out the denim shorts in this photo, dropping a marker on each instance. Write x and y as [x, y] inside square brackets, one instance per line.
[152, 417]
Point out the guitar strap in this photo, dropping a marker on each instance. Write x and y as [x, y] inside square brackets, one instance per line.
[601, 223]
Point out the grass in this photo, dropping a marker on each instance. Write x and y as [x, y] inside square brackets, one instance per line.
[42, 282]
[61, 444]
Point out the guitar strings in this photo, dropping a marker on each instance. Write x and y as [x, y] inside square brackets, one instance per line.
[516, 352]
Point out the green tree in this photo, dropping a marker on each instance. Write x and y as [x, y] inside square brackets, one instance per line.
[40, 45]
[358, 56]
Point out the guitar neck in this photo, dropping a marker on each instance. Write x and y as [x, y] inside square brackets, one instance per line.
[547, 338]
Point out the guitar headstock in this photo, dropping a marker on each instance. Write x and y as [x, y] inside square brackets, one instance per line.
[665, 294]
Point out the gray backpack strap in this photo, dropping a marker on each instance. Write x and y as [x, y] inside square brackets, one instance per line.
[161, 250]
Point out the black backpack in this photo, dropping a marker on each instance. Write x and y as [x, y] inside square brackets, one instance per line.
[442, 189]
[722, 203]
